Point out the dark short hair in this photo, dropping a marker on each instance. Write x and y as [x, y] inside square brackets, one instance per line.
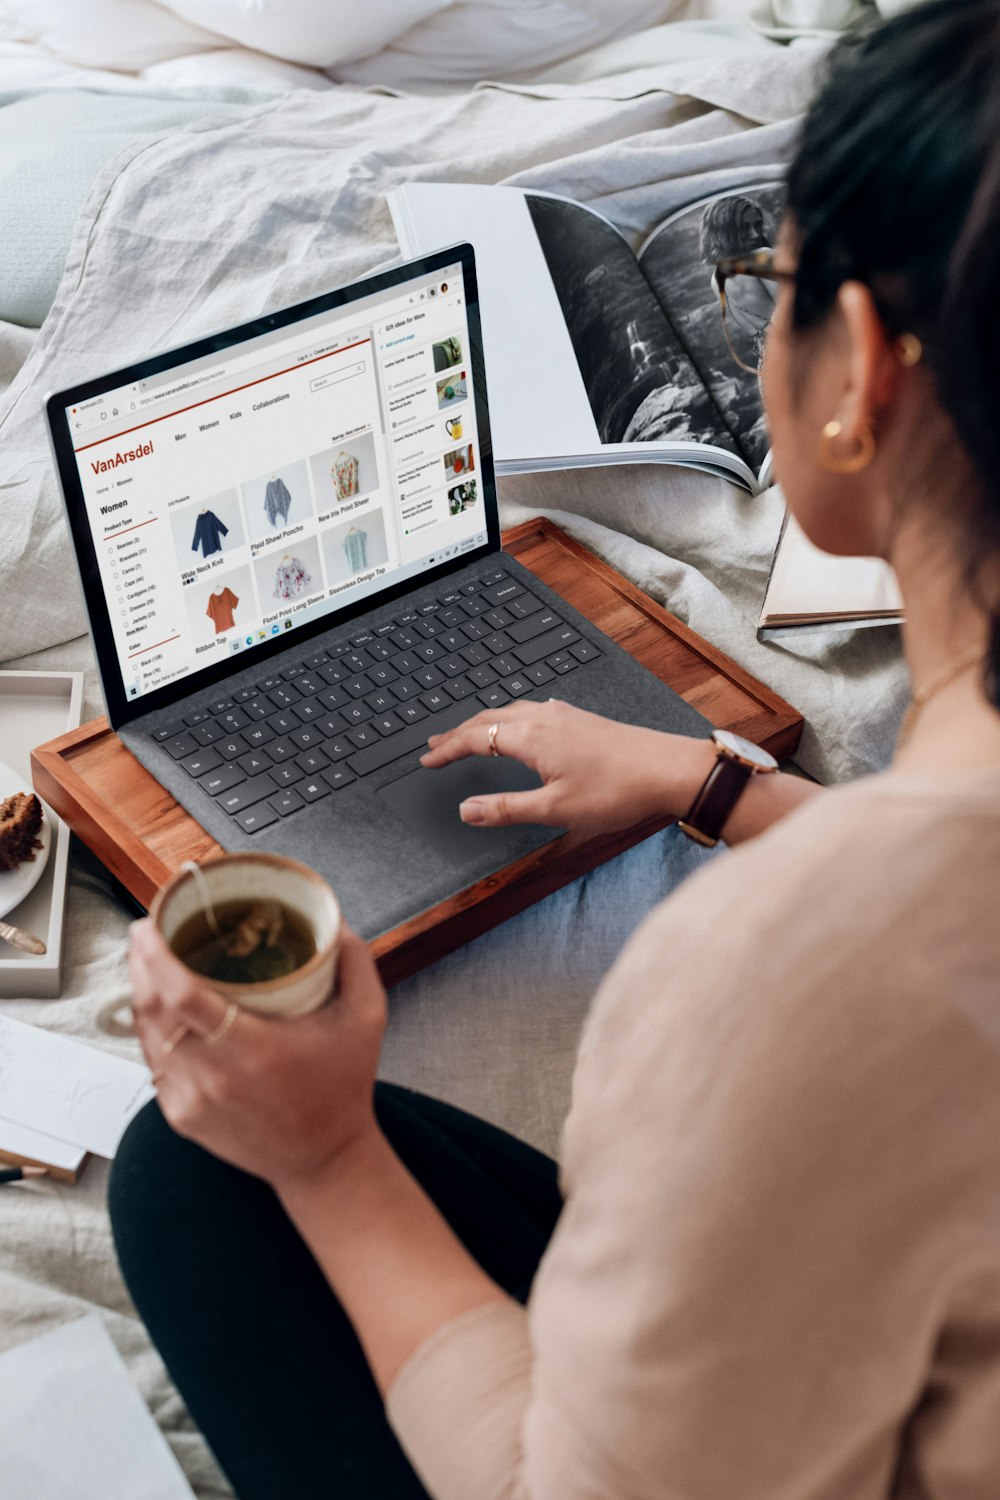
[896, 183]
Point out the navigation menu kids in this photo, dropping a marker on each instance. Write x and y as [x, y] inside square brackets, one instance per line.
[244, 503]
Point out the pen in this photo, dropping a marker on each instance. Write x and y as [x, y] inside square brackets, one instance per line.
[15, 1174]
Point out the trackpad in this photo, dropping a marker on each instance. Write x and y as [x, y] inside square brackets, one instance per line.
[428, 801]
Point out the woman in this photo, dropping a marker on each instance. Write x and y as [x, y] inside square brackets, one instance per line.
[776, 1272]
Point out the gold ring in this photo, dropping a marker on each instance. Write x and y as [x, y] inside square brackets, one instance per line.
[493, 732]
[175, 1040]
[224, 1026]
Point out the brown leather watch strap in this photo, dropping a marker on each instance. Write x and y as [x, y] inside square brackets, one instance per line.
[718, 796]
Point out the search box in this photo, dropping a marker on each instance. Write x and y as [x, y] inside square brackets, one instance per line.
[322, 382]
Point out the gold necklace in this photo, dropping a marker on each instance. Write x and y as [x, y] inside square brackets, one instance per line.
[940, 680]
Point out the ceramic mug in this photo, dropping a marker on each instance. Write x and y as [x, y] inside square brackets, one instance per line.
[812, 15]
[248, 877]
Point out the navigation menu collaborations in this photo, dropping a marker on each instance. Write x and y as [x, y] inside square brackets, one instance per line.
[241, 495]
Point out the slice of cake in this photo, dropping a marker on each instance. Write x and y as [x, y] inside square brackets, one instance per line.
[20, 822]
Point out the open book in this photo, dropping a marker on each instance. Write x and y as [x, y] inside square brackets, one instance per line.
[599, 354]
[809, 589]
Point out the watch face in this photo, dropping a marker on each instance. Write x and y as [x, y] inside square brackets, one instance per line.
[743, 750]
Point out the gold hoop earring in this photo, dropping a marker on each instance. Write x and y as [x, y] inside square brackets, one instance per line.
[909, 350]
[845, 463]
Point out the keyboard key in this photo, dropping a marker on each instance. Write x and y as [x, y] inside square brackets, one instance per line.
[243, 695]
[291, 672]
[257, 708]
[501, 592]
[254, 762]
[201, 761]
[363, 735]
[306, 738]
[493, 697]
[309, 709]
[382, 674]
[233, 720]
[434, 701]
[470, 588]
[383, 630]
[428, 677]
[430, 651]
[407, 662]
[334, 673]
[284, 723]
[540, 674]
[584, 651]
[503, 666]
[258, 735]
[267, 683]
[517, 685]
[453, 666]
[283, 749]
[286, 802]
[404, 688]
[496, 576]
[206, 734]
[412, 713]
[308, 684]
[182, 745]
[312, 662]
[284, 696]
[451, 619]
[523, 607]
[544, 645]
[483, 676]
[474, 606]
[497, 642]
[311, 761]
[333, 698]
[382, 650]
[413, 737]
[362, 638]
[359, 686]
[405, 639]
[453, 640]
[476, 655]
[338, 776]
[313, 790]
[357, 661]
[381, 702]
[498, 618]
[253, 819]
[336, 749]
[247, 793]
[331, 724]
[220, 706]
[459, 687]
[165, 734]
[231, 746]
[221, 780]
[358, 713]
[451, 598]
[198, 717]
[387, 723]
[536, 624]
[286, 774]
[562, 662]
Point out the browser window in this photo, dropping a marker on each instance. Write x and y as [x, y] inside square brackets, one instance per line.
[245, 494]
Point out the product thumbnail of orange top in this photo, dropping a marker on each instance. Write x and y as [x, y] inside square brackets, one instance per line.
[220, 610]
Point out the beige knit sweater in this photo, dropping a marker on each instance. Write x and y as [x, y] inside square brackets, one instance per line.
[777, 1275]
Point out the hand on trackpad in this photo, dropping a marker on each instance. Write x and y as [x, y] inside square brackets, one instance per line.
[428, 801]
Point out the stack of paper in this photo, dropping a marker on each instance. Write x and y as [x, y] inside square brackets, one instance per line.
[73, 1424]
[60, 1099]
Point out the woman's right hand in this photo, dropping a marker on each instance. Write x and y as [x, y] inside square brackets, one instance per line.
[599, 776]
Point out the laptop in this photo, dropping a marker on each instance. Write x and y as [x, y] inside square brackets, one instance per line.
[289, 547]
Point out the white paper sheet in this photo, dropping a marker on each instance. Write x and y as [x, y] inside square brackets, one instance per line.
[76, 1093]
[74, 1427]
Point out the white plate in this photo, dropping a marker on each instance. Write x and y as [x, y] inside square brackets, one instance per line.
[15, 884]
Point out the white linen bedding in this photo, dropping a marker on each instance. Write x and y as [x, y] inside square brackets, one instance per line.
[164, 251]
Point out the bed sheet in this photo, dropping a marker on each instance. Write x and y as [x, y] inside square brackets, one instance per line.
[159, 257]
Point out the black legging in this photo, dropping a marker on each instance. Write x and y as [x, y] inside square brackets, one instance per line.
[254, 1338]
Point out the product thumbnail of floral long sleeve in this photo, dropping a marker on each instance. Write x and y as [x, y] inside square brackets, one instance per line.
[290, 579]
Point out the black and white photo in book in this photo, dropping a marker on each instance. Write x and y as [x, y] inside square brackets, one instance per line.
[647, 329]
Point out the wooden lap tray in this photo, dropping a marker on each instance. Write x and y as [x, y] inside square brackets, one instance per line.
[142, 835]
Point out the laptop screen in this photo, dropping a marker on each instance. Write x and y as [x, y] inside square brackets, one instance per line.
[237, 496]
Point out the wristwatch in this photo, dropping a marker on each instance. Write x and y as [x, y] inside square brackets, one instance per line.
[738, 760]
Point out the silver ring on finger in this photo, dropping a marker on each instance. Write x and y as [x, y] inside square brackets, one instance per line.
[494, 730]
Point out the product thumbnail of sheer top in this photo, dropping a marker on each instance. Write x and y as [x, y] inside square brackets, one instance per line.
[208, 533]
[277, 500]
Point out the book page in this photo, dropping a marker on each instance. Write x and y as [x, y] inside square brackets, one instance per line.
[537, 398]
[78, 1094]
[73, 1424]
[679, 260]
[807, 583]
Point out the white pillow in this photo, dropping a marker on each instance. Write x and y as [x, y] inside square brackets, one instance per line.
[476, 39]
[319, 33]
[122, 35]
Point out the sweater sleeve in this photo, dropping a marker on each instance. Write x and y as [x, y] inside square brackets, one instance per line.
[745, 1288]
[197, 534]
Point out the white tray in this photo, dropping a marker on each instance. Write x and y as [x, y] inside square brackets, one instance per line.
[34, 707]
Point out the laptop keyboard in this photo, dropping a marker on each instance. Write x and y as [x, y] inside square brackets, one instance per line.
[303, 733]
